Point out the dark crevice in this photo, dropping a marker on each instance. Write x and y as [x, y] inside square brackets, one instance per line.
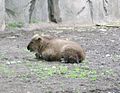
[54, 11]
[10, 12]
[32, 6]
[91, 8]
[105, 2]
[80, 10]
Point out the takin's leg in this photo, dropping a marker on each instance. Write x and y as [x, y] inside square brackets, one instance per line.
[38, 56]
[50, 55]
[70, 56]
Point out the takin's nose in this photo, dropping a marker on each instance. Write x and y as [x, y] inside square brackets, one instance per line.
[28, 47]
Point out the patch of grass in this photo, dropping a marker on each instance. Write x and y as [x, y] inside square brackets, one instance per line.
[1, 56]
[116, 57]
[44, 71]
[35, 21]
[5, 70]
[25, 76]
[15, 25]
[81, 71]
[107, 72]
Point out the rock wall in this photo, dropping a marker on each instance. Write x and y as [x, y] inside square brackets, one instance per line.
[75, 11]
[38, 11]
[17, 10]
[90, 11]
[26, 10]
[2, 15]
[72, 11]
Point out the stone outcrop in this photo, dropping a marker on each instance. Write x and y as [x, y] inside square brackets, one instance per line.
[90, 11]
[38, 11]
[2, 15]
[54, 11]
[72, 11]
[76, 11]
[17, 10]
[26, 11]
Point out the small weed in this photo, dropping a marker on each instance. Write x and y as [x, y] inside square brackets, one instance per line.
[5, 70]
[116, 57]
[107, 72]
[15, 25]
[44, 71]
[2, 56]
[85, 61]
[34, 21]
[62, 70]
[25, 76]
[81, 72]
[93, 75]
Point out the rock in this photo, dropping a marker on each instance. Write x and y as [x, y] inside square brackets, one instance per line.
[2, 15]
[54, 11]
[90, 11]
[26, 11]
[40, 11]
[85, 12]
[77, 11]
[17, 10]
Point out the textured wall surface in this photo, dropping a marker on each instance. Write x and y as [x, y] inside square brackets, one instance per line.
[90, 11]
[17, 10]
[39, 10]
[2, 15]
[74, 11]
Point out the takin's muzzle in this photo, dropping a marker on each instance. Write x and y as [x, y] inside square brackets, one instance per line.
[28, 47]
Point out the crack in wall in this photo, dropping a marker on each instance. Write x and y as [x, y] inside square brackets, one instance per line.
[105, 3]
[91, 8]
[54, 11]
[32, 7]
[9, 12]
[81, 10]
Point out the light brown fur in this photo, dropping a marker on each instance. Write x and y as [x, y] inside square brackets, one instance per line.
[52, 49]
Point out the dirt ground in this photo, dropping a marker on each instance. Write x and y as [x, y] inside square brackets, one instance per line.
[102, 47]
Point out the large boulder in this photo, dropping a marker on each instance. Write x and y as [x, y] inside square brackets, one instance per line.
[2, 15]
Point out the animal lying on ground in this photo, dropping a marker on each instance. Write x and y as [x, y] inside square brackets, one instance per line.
[52, 49]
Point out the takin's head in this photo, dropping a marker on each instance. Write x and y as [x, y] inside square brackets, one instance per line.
[33, 46]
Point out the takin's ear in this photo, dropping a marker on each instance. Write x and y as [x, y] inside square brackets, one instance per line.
[37, 37]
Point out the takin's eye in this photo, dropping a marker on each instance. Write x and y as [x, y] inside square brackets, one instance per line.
[32, 42]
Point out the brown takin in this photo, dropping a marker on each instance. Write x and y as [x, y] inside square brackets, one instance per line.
[52, 49]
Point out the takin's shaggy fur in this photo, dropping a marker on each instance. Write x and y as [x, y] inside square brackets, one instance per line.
[52, 49]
